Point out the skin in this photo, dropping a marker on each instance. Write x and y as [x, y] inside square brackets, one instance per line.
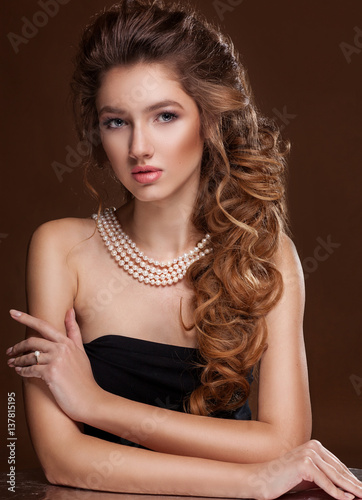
[218, 457]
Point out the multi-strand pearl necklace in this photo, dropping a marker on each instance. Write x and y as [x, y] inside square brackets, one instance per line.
[136, 263]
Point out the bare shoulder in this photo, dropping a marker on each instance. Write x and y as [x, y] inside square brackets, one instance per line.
[288, 262]
[62, 234]
[55, 252]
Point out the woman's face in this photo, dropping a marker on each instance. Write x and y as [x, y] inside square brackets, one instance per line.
[150, 131]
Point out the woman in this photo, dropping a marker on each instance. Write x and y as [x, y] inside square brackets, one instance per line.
[163, 102]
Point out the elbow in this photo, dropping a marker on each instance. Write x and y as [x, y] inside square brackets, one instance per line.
[52, 477]
[297, 430]
[297, 437]
[60, 471]
[51, 474]
[58, 477]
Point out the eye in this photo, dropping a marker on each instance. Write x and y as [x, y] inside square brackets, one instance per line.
[113, 123]
[167, 117]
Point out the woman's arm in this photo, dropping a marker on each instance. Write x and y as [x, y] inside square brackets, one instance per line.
[67, 456]
[284, 410]
[70, 458]
[284, 420]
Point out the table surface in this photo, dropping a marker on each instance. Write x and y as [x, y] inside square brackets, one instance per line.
[31, 484]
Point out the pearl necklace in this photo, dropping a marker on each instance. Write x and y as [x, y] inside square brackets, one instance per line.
[136, 263]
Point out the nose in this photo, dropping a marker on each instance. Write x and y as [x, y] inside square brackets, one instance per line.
[140, 143]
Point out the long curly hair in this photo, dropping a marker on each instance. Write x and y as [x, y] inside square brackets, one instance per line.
[241, 197]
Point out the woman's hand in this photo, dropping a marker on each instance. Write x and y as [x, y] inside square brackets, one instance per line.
[308, 466]
[62, 363]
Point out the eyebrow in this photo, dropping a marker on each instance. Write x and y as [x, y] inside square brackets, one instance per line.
[149, 109]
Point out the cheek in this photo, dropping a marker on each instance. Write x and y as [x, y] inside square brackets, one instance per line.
[189, 146]
[114, 147]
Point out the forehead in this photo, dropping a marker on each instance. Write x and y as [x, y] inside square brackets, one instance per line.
[138, 85]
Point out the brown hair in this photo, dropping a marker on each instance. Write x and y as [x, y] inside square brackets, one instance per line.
[241, 199]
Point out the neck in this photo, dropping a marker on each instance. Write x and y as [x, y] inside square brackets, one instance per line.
[162, 231]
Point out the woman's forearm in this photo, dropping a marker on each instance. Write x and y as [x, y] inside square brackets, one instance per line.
[178, 433]
[91, 463]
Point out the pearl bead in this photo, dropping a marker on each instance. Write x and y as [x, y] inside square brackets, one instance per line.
[128, 256]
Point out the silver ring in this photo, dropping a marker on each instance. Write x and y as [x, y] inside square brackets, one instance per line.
[37, 354]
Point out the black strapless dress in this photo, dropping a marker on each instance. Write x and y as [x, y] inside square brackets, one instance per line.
[148, 372]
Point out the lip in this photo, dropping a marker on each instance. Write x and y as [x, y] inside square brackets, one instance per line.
[146, 174]
[145, 168]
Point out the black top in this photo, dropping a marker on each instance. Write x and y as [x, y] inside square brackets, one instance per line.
[148, 372]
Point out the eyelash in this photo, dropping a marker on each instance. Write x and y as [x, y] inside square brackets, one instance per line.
[108, 122]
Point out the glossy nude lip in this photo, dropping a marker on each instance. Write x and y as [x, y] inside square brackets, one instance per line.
[146, 174]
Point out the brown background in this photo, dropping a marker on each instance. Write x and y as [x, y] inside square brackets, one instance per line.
[292, 50]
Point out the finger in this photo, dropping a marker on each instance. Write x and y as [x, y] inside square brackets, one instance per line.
[73, 331]
[29, 371]
[312, 473]
[344, 480]
[45, 329]
[332, 460]
[29, 360]
[30, 345]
